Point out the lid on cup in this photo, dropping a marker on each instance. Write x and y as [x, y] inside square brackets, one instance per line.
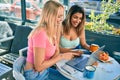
[94, 44]
[90, 68]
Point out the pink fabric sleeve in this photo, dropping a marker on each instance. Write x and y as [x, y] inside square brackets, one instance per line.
[39, 39]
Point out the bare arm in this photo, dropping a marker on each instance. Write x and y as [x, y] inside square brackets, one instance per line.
[83, 40]
[41, 64]
[39, 59]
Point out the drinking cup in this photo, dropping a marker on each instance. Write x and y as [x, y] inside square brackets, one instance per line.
[93, 47]
[89, 72]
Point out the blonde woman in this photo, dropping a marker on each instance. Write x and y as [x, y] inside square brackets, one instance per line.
[43, 51]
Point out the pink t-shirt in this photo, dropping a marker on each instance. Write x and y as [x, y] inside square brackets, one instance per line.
[40, 39]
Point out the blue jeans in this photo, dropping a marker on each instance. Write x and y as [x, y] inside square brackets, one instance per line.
[32, 75]
[48, 74]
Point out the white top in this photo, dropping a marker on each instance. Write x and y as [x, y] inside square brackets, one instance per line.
[65, 43]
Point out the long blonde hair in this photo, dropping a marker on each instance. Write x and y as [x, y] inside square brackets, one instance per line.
[48, 17]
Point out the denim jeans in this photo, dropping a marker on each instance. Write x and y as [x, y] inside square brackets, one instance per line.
[32, 75]
[48, 74]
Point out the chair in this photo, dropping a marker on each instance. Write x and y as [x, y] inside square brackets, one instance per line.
[19, 42]
[5, 72]
[6, 40]
[18, 68]
[5, 32]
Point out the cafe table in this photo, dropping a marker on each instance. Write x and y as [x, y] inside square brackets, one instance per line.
[104, 71]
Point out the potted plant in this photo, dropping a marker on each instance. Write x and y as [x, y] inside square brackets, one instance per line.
[100, 32]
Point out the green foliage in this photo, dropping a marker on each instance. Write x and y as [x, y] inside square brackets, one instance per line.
[99, 20]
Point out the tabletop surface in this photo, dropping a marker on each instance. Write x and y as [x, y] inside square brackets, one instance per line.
[104, 71]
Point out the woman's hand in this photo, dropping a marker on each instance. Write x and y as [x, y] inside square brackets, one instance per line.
[69, 55]
[79, 52]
